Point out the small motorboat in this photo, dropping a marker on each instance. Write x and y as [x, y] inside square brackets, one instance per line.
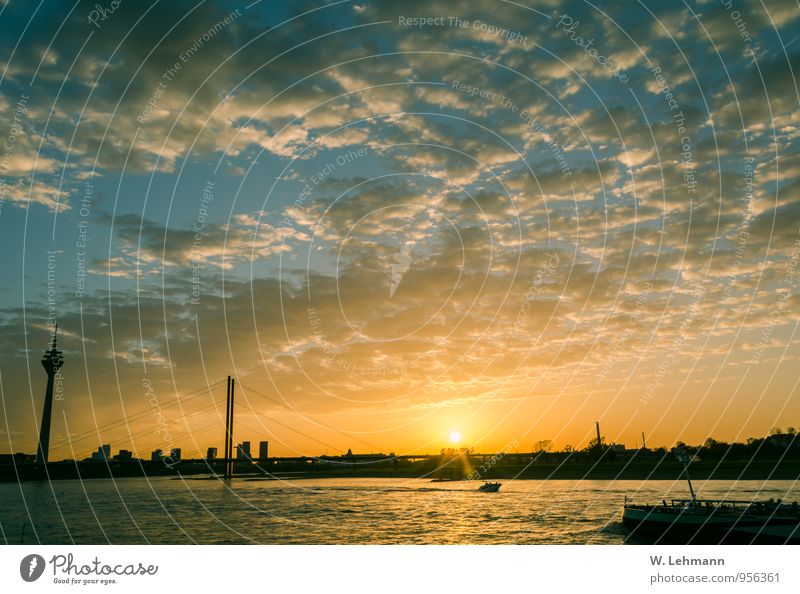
[488, 487]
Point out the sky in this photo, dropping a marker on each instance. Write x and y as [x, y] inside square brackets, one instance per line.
[394, 221]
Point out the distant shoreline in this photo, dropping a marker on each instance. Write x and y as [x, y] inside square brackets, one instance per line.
[659, 469]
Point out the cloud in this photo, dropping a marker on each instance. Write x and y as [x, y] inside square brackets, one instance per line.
[472, 194]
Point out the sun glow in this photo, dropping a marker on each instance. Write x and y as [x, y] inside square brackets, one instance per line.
[455, 437]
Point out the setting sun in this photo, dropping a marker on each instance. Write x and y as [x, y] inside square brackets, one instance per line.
[455, 437]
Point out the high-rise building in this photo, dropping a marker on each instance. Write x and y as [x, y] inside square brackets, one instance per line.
[52, 362]
[103, 453]
[156, 455]
[175, 454]
[263, 450]
[211, 454]
[243, 451]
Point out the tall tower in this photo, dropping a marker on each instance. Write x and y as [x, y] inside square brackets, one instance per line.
[52, 362]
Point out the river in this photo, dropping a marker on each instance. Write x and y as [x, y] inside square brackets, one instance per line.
[339, 511]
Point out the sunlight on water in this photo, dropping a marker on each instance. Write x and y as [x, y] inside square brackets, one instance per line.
[348, 511]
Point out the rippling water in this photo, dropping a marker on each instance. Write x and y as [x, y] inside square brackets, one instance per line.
[345, 511]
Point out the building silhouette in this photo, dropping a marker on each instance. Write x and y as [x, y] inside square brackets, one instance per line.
[243, 451]
[103, 453]
[263, 450]
[211, 454]
[156, 455]
[52, 362]
[124, 456]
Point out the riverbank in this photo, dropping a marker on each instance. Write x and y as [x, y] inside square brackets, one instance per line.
[655, 469]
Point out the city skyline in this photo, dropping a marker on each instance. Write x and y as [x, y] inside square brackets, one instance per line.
[105, 452]
[243, 450]
[395, 223]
